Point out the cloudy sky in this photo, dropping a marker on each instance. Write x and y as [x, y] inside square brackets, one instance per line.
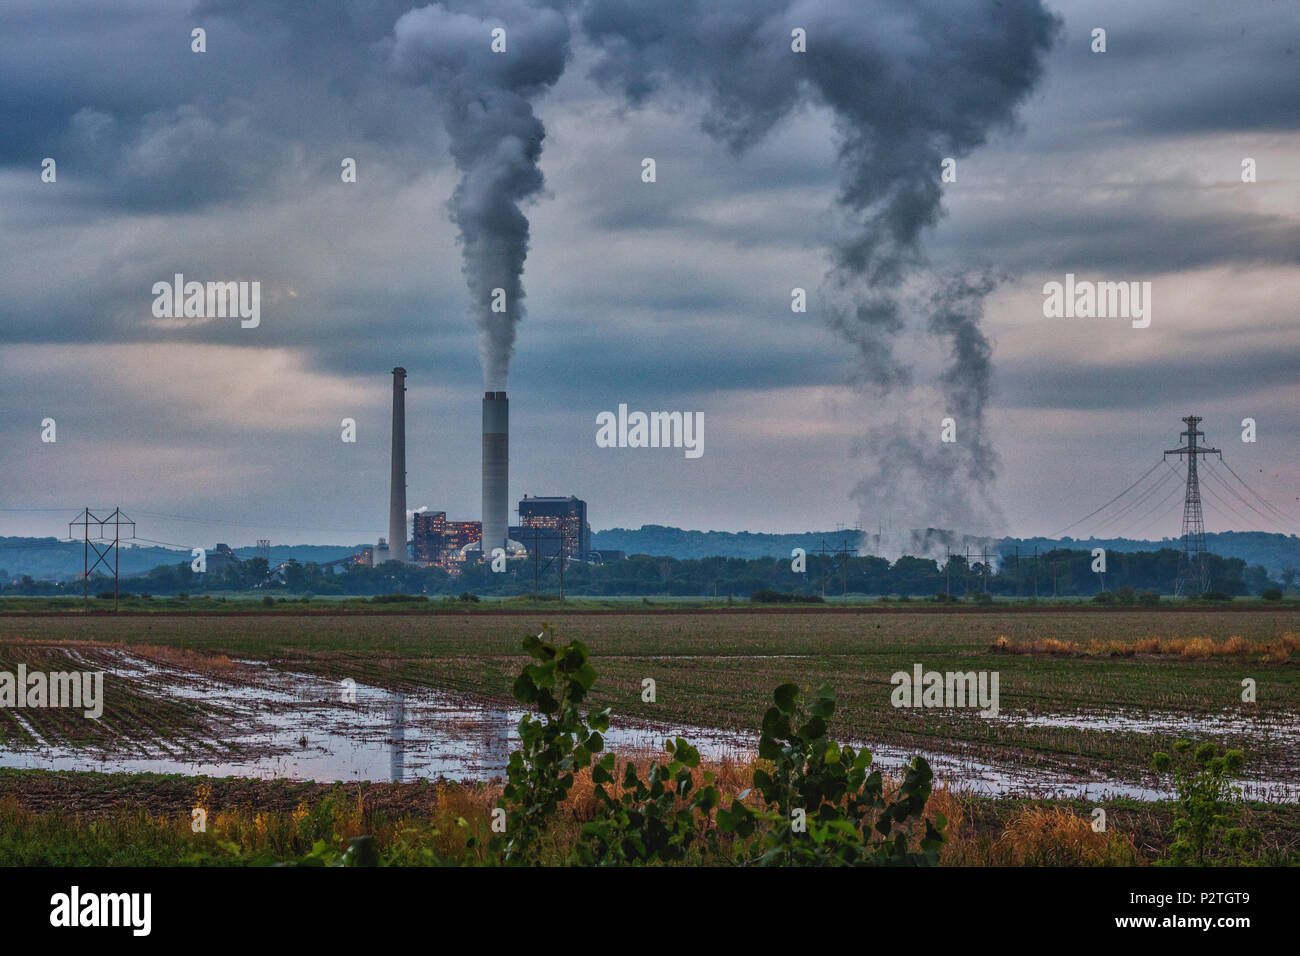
[774, 170]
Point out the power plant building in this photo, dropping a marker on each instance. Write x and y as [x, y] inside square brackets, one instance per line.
[549, 523]
[429, 536]
[439, 542]
[462, 533]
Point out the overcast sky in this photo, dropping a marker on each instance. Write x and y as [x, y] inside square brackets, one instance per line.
[225, 165]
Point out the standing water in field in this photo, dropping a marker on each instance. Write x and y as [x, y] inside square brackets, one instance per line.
[270, 723]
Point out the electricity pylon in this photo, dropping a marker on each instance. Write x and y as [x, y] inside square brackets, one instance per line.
[116, 520]
[1192, 568]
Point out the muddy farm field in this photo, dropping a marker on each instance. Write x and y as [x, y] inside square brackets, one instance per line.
[278, 708]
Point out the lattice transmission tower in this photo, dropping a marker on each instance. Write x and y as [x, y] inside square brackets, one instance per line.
[1193, 571]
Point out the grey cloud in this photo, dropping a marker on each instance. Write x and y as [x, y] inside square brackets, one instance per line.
[1174, 377]
[1138, 237]
[225, 125]
[1169, 69]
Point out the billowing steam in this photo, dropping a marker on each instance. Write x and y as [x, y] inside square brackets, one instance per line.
[918, 484]
[908, 85]
[496, 142]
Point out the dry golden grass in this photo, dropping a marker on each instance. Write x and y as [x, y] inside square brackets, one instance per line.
[178, 657]
[1039, 836]
[186, 659]
[1186, 648]
[1279, 651]
[1055, 836]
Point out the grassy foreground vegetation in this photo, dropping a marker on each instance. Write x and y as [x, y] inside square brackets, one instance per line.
[56, 818]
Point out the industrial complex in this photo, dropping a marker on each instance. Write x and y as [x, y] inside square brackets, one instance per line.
[549, 527]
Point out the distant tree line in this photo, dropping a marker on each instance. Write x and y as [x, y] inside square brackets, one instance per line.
[1058, 573]
[1274, 551]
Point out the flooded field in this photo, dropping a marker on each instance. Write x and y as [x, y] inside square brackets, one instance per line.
[272, 722]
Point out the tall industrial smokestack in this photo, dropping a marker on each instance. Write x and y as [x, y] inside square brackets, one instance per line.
[496, 471]
[397, 500]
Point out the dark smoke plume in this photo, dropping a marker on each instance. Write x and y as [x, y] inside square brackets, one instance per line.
[955, 310]
[908, 85]
[496, 142]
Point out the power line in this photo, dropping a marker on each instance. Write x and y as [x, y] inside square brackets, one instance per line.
[196, 519]
[1137, 502]
[1261, 498]
[1268, 519]
[1109, 503]
[1222, 514]
[56, 543]
[1291, 522]
[241, 524]
[1228, 506]
[1146, 518]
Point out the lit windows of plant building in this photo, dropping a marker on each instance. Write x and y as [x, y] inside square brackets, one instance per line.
[546, 522]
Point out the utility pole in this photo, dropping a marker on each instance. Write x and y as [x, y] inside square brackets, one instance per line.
[839, 562]
[844, 566]
[1192, 568]
[558, 556]
[822, 566]
[84, 521]
[561, 564]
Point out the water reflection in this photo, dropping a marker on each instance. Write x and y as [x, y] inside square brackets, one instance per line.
[498, 737]
[397, 754]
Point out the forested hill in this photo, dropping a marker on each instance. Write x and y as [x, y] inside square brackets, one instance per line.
[49, 559]
[662, 541]
[1276, 552]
